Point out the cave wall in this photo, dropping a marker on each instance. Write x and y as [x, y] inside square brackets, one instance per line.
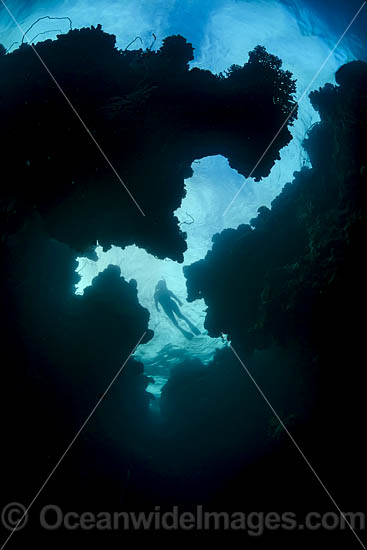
[294, 278]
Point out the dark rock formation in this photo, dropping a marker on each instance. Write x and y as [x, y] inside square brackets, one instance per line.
[60, 353]
[270, 280]
[152, 117]
[295, 278]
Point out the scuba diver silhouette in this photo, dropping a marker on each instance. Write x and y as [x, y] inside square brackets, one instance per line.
[163, 296]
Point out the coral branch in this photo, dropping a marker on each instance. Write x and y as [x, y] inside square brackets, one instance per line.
[154, 40]
[10, 47]
[188, 223]
[46, 17]
[132, 42]
[45, 32]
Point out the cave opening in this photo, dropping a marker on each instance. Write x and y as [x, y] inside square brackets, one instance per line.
[201, 215]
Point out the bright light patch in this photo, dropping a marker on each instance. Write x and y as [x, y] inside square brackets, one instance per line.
[169, 346]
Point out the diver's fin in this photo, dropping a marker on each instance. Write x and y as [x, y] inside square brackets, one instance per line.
[187, 335]
[193, 327]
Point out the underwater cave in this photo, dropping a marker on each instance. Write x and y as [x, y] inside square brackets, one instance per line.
[183, 216]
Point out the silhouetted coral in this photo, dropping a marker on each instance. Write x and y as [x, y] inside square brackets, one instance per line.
[61, 352]
[268, 280]
[152, 117]
[295, 278]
